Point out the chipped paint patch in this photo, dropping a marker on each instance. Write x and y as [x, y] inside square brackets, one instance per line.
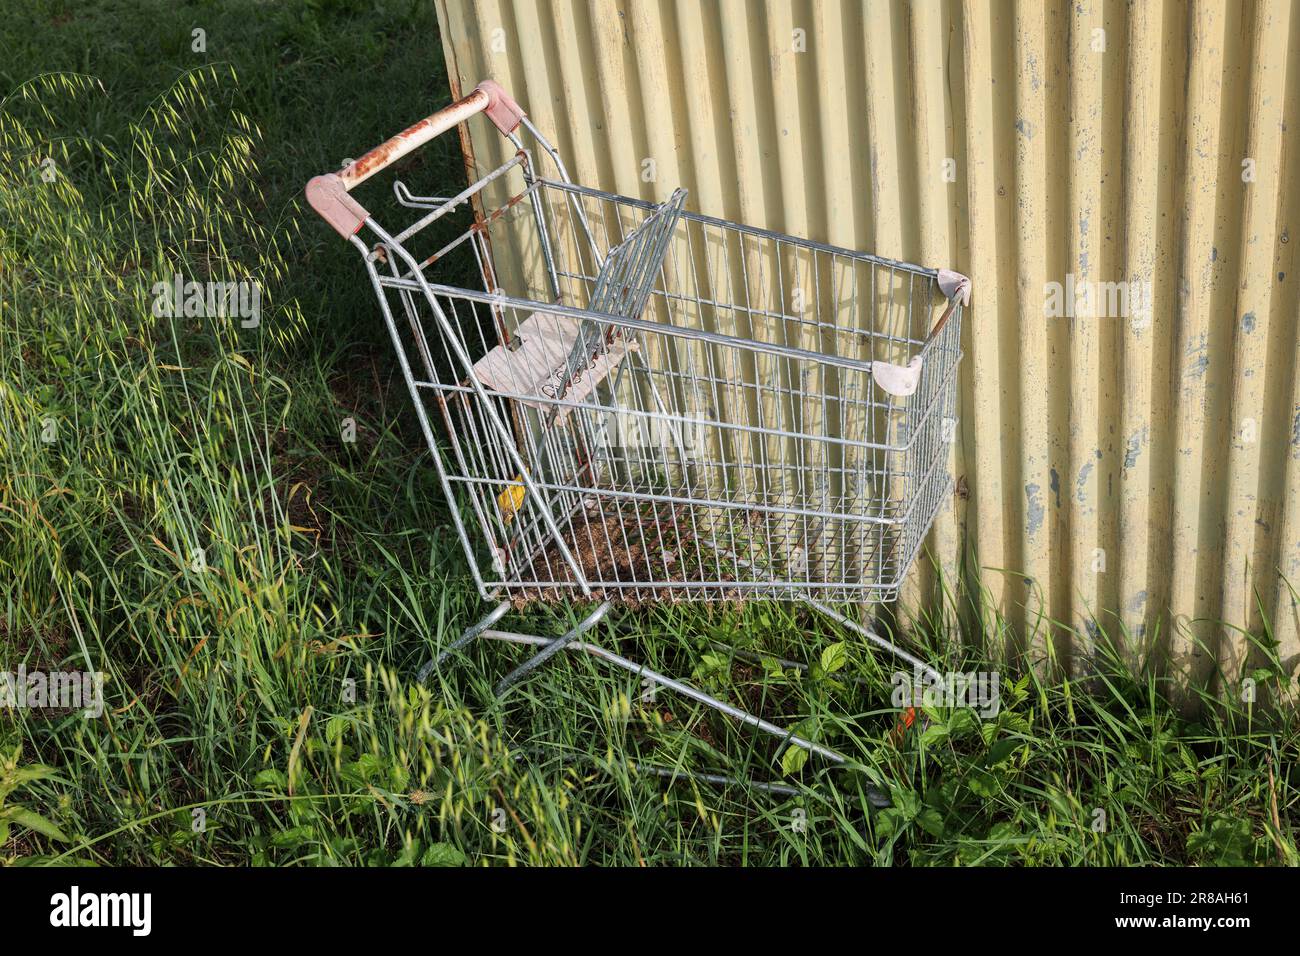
[1082, 481]
[1134, 447]
[1034, 503]
[1199, 357]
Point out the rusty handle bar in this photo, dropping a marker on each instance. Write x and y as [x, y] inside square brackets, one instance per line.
[943, 320]
[328, 194]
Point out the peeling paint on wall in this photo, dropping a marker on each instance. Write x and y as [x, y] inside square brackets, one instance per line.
[998, 140]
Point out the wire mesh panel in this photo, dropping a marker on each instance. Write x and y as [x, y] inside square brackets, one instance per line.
[637, 402]
[645, 403]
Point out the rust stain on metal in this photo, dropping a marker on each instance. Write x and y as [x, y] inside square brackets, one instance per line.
[483, 223]
[411, 137]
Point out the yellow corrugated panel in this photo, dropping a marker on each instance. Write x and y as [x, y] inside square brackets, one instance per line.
[1140, 471]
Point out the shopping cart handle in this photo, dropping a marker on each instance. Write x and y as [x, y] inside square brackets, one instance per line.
[328, 194]
[956, 288]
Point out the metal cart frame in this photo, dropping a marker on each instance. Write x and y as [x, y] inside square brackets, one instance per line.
[642, 403]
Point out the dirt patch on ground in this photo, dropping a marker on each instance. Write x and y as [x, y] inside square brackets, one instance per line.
[637, 555]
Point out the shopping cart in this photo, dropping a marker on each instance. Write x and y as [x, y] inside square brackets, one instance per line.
[641, 403]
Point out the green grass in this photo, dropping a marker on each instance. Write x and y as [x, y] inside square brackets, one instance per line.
[258, 592]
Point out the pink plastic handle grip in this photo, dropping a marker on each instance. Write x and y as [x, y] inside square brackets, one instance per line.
[502, 109]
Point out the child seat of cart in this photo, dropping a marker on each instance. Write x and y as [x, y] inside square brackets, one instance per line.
[551, 357]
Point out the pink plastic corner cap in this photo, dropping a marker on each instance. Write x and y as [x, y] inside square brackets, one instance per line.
[954, 284]
[331, 200]
[502, 110]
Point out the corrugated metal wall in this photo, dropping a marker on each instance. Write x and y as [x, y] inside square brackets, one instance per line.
[1143, 470]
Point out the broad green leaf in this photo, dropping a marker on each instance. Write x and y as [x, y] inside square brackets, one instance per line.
[834, 657]
[29, 773]
[985, 784]
[294, 836]
[443, 854]
[270, 779]
[907, 802]
[934, 734]
[335, 727]
[1000, 751]
[961, 722]
[890, 821]
[34, 821]
[931, 821]
[793, 759]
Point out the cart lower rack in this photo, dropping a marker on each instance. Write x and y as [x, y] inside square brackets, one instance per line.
[640, 403]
